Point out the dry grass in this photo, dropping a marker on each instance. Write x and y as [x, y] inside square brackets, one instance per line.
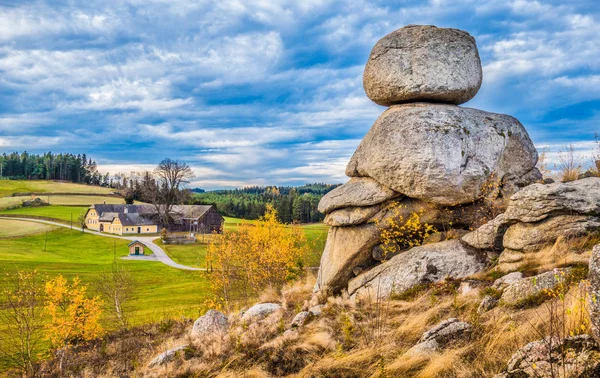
[15, 228]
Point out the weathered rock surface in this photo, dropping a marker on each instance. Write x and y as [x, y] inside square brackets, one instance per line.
[166, 357]
[423, 264]
[487, 303]
[346, 248]
[440, 336]
[594, 297]
[443, 154]
[211, 323]
[423, 63]
[551, 356]
[260, 311]
[538, 201]
[506, 280]
[316, 310]
[532, 286]
[489, 236]
[351, 215]
[301, 318]
[359, 191]
[530, 237]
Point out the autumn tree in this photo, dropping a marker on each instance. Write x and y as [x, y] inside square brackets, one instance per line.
[21, 324]
[257, 255]
[166, 190]
[116, 288]
[74, 317]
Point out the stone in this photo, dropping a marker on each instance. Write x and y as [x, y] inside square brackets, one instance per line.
[359, 191]
[532, 286]
[444, 154]
[487, 303]
[423, 63]
[419, 265]
[594, 297]
[506, 280]
[350, 216]
[166, 357]
[301, 318]
[538, 201]
[441, 335]
[530, 237]
[549, 357]
[316, 310]
[260, 311]
[346, 248]
[379, 254]
[441, 236]
[211, 323]
[489, 236]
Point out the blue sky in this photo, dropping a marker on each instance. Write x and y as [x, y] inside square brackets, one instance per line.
[268, 92]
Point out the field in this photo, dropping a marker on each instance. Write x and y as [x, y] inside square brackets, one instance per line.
[14, 228]
[62, 213]
[8, 187]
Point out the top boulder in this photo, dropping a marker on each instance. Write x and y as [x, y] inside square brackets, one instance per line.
[423, 63]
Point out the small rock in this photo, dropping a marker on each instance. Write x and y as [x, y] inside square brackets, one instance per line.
[359, 191]
[489, 236]
[166, 357]
[487, 303]
[211, 323]
[302, 318]
[507, 279]
[316, 310]
[531, 286]
[260, 311]
[441, 335]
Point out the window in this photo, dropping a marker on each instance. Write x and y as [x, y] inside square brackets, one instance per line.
[147, 229]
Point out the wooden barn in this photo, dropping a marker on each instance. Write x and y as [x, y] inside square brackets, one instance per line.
[202, 219]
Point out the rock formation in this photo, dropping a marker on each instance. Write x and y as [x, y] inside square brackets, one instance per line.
[430, 156]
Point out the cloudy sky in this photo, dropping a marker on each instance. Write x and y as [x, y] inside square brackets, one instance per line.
[266, 91]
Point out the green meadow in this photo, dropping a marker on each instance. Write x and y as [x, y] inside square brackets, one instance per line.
[10, 187]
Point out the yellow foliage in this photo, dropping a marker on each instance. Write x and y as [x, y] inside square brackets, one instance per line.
[73, 316]
[254, 256]
[397, 233]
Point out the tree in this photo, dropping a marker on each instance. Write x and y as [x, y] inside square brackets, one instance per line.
[170, 175]
[116, 287]
[21, 325]
[73, 316]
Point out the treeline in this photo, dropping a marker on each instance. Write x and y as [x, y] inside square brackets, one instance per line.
[293, 204]
[50, 166]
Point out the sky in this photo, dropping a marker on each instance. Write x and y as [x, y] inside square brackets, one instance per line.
[268, 92]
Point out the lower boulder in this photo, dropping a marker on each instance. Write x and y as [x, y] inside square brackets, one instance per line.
[211, 323]
[441, 335]
[419, 265]
[530, 287]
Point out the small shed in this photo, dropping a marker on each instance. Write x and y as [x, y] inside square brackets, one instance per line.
[136, 248]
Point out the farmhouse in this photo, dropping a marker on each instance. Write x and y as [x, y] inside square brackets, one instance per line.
[144, 219]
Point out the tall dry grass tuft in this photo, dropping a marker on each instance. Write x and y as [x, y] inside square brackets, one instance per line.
[569, 164]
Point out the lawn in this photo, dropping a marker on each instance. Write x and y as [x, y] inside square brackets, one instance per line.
[15, 228]
[63, 213]
[60, 199]
[8, 187]
[160, 291]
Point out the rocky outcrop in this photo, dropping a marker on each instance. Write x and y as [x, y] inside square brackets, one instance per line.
[419, 265]
[487, 303]
[594, 297]
[538, 202]
[211, 323]
[551, 356]
[260, 311]
[489, 236]
[530, 287]
[440, 336]
[423, 63]
[528, 237]
[507, 280]
[442, 154]
[359, 191]
[350, 216]
[301, 319]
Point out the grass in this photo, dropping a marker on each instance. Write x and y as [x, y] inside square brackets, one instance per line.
[62, 213]
[160, 291]
[14, 228]
[8, 187]
[186, 254]
[61, 200]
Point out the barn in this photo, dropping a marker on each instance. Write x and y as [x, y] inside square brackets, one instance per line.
[203, 219]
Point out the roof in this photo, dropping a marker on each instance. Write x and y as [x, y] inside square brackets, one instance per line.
[190, 211]
[136, 215]
[110, 208]
[134, 219]
[136, 242]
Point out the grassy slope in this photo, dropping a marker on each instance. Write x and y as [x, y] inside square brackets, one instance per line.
[14, 228]
[160, 290]
[8, 187]
[58, 212]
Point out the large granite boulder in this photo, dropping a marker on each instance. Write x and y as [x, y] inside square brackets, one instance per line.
[346, 249]
[419, 265]
[530, 287]
[212, 323]
[359, 191]
[423, 63]
[489, 236]
[538, 201]
[594, 297]
[443, 154]
[349, 216]
[529, 237]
